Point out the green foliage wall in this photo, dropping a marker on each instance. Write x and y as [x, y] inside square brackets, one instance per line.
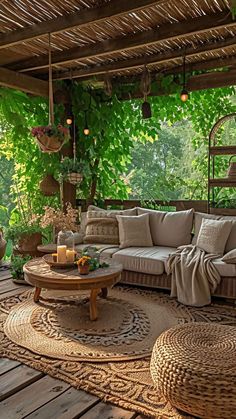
[116, 128]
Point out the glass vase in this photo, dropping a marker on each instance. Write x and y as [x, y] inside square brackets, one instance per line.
[66, 238]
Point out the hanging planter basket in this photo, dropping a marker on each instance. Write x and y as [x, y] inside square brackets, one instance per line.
[49, 186]
[75, 178]
[51, 138]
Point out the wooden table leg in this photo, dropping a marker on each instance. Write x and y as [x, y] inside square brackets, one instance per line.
[104, 292]
[93, 304]
[37, 292]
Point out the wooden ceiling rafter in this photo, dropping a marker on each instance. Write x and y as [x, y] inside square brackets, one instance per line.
[19, 81]
[151, 59]
[145, 38]
[77, 19]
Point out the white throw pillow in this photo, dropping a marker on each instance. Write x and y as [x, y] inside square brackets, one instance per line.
[171, 229]
[213, 235]
[230, 257]
[134, 231]
[198, 217]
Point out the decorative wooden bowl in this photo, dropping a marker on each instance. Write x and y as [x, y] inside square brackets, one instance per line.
[61, 265]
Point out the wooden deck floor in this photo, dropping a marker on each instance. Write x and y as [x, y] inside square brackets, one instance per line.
[27, 393]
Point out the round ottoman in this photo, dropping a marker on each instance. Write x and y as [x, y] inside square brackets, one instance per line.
[194, 368]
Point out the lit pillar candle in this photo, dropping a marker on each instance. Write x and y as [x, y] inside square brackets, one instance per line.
[70, 255]
[61, 254]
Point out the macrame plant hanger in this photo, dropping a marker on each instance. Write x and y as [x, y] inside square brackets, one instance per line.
[51, 104]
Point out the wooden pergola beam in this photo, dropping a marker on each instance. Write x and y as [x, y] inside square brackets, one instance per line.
[200, 82]
[132, 63]
[77, 19]
[28, 84]
[165, 32]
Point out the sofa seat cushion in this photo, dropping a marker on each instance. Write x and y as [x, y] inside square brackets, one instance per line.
[106, 250]
[225, 269]
[149, 260]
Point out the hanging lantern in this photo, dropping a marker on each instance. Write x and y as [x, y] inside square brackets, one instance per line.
[145, 88]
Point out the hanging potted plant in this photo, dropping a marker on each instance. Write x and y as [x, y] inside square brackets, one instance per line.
[49, 186]
[72, 170]
[51, 138]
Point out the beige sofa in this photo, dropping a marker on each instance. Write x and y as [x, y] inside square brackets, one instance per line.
[146, 266]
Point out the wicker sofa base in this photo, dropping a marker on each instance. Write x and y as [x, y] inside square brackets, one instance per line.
[226, 288]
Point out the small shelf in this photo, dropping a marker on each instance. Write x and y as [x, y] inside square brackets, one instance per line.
[222, 150]
[223, 182]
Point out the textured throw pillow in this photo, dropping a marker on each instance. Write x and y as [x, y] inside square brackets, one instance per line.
[171, 229]
[230, 257]
[134, 231]
[102, 230]
[198, 217]
[213, 236]
[102, 225]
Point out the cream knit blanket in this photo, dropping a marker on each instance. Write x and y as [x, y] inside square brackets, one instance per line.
[193, 276]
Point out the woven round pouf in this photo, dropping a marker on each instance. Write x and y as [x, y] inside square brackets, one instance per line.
[194, 368]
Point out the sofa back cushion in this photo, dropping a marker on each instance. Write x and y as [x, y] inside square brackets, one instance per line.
[134, 231]
[171, 229]
[102, 225]
[213, 235]
[198, 216]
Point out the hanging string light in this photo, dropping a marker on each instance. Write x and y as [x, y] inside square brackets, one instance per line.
[86, 127]
[69, 121]
[145, 88]
[184, 93]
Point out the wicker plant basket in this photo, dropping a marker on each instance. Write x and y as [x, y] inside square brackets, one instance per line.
[194, 368]
[49, 186]
[51, 144]
[75, 178]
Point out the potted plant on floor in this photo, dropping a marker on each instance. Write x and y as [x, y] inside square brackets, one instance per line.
[25, 237]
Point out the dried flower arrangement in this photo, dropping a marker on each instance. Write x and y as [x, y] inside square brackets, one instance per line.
[66, 220]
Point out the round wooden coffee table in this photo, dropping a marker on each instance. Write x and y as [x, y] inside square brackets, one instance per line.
[38, 273]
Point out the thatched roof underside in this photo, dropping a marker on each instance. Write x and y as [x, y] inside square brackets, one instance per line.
[91, 39]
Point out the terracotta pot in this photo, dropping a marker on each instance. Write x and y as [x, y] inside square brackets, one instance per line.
[83, 270]
[49, 186]
[48, 144]
[29, 242]
[3, 245]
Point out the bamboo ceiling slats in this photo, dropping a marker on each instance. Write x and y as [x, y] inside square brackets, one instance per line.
[118, 37]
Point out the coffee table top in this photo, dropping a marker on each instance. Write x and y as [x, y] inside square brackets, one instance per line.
[38, 273]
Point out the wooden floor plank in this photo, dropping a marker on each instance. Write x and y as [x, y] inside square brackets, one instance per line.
[13, 381]
[14, 292]
[5, 275]
[69, 405]
[108, 411]
[31, 398]
[7, 365]
[8, 285]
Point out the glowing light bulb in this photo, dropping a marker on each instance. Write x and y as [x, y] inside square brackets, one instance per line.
[69, 121]
[184, 95]
[86, 131]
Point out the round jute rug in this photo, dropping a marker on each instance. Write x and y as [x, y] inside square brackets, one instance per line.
[59, 327]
